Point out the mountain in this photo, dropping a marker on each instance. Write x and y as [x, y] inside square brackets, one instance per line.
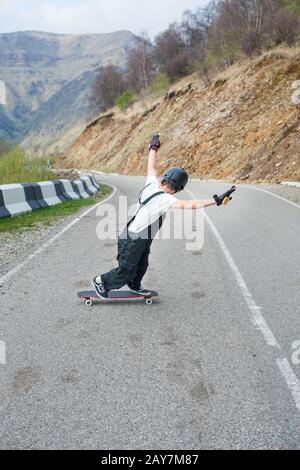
[48, 78]
[243, 125]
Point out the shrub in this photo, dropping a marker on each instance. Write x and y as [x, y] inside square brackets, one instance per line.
[125, 100]
[5, 147]
[160, 84]
[179, 66]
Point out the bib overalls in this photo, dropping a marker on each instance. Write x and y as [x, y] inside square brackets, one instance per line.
[133, 253]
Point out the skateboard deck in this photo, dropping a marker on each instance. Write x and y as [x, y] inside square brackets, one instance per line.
[90, 297]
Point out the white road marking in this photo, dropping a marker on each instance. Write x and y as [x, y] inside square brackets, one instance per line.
[290, 379]
[10, 274]
[274, 195]
[2, 353]
[257, 317]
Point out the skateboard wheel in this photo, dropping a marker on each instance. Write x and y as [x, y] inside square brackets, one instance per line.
[88, 303]
[149, 301]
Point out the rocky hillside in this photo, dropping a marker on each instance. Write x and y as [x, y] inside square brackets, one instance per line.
[48, 78]
[242, 126]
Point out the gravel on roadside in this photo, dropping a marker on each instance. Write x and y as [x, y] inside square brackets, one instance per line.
[16, 246]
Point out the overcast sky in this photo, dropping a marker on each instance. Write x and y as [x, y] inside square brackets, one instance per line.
[92, 16]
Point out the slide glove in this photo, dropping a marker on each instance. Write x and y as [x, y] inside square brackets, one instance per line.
[155, 143]
[224, 198]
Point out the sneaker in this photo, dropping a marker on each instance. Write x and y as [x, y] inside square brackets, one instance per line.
[139, 291]
[99, 288]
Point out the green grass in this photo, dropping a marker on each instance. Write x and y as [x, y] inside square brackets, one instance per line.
[49, 215]
[125, 100]
[160, 84]
[15, 167]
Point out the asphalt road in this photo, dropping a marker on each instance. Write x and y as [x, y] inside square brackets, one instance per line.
[212, 364]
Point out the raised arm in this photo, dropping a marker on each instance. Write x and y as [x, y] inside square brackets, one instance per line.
[152, 163]
[153, 148]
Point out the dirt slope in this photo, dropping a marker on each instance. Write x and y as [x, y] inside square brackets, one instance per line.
[243, 126]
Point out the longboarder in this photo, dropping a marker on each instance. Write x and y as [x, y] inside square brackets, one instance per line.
[134, 243]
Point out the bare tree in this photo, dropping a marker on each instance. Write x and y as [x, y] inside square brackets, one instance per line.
[179, 65]
[193, 30]
[286, 28]
[168, 45]
[216, 35]
[108, 85]
[140, 67]
[240, 25]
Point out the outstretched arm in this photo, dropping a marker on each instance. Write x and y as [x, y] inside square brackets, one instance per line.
[154, 146]
[194, 204]
[201, 203]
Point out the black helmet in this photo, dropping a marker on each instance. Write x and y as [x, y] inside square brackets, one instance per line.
[177, 178]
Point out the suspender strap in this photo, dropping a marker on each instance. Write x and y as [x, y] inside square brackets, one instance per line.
[160, 222]
[143, 203]
[151, 197]
[142, 192]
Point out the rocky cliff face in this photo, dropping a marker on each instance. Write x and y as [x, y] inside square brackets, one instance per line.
[242, 126]
[48, 77]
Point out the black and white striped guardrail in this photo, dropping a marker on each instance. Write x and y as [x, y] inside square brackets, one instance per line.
[25, 197]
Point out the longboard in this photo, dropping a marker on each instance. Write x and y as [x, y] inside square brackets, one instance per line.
[91, 297]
